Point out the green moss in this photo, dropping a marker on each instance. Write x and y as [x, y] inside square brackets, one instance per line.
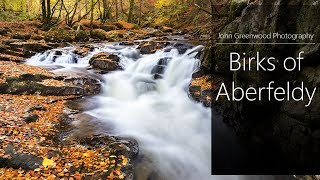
[58, 35]
[81, 36]
[235, 9]
[98, 34]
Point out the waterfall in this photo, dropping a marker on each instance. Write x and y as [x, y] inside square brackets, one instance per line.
[148, 101]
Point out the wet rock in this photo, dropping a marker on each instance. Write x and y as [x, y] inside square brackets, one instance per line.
[159, 69]
[82, 50]
[31, 46]
[59, 78]
[19, 160]
[195, 92]
[149, 47]
[198, 73]
[105, 61]
[82, 104]
[80, 86]
[206, 58]
[31, 118]
[88, 86]
[181, 47]
[206, 97]
[127, 43]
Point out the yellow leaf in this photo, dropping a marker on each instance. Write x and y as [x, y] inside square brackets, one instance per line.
[121, 176]
[47, 162]
[125, 161]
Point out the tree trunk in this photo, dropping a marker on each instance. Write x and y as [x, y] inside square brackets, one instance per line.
[130, 11]
[140, 12]
[117, 11]
[48, 11]
[91, 18]
[44, 12]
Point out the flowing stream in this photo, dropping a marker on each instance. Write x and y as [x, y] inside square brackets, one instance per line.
[172, 130]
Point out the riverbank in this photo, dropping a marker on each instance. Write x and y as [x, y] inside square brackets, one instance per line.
[41, 109]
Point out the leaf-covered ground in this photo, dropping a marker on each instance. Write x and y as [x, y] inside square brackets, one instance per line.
[30, 147]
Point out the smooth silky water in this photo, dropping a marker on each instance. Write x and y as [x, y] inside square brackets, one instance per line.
[173, 131]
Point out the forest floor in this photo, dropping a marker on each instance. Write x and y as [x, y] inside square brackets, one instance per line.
[33, 120]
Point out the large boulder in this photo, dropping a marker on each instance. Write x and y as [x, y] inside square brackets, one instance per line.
[81, 36]
[124, 25]
[83, 50]
[105, 61]
[115, 35]
[287, 124]
[31, 46]
[98, 34]
[59, 35]
[36, 84]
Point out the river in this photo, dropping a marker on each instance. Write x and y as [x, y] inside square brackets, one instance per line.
[173, 131]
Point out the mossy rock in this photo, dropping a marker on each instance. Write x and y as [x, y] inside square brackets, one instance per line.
[107, 27]
[21, 36]
[58, 35]
[99, 34]
[81, 36]
[116, 34]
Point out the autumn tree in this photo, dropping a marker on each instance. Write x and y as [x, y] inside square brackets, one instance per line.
[105, 10]
[46, 13]
[130, 14]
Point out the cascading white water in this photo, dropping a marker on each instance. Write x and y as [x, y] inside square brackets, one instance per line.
[168, 125]
[171, 129]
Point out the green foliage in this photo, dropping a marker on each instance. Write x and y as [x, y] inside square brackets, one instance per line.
[168, 11]
[15, 16]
